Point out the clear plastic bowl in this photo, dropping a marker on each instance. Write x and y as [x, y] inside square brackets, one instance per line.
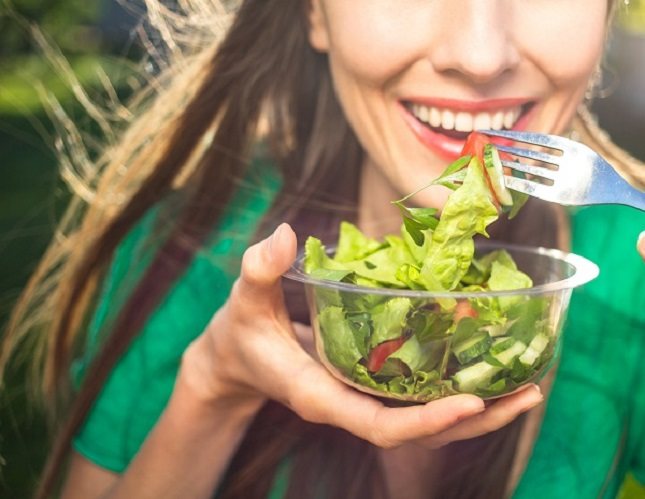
[444, 355]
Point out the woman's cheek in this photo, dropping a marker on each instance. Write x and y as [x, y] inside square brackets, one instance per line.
[569, 46]
[371, 47]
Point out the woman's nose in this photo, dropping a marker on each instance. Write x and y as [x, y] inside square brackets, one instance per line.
[474, 39]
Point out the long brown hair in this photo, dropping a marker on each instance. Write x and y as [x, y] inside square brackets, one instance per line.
[195, 137]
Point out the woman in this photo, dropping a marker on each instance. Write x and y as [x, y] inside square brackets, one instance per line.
[377, 94]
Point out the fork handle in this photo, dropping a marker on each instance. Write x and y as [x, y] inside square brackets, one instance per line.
[630, 196]
[610, 187]
[635, 198]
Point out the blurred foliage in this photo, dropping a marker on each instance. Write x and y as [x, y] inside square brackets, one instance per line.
[632, 16]
[21, 78]
[69, 22]
[71, 51]
[54, 45]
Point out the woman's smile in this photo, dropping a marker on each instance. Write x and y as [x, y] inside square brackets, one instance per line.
[443, 124]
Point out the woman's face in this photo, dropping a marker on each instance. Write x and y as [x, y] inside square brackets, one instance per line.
[415, 76]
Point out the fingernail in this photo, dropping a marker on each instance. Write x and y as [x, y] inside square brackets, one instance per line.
[538, 390]
[275, 237]
[477, 406]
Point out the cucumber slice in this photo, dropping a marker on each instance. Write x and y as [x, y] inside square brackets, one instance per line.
[496, 330]
[472, 348]
[508, 355]
[495, 172]
[534, 350]
[502, 343]
[476, 376]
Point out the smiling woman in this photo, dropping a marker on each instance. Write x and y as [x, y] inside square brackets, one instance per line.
[413, 99]
[189, 369]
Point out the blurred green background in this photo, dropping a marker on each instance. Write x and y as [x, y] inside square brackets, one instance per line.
[96, 38]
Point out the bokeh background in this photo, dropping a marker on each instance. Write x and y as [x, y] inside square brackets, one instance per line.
[98, 41]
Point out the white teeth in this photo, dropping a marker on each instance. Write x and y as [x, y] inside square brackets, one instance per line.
[435, 117]
[483, 121]
[497, 123]
[463, 121]
[424, 113]
[447, 120]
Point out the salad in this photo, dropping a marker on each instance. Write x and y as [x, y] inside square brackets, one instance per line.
[425, 348]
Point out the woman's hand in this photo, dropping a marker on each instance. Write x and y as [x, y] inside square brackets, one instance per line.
[640, 245]
[251, 352]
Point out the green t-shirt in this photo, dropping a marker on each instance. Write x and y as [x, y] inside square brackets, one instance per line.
[594, 428]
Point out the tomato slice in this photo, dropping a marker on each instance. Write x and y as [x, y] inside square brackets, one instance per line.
[474, 145]
[464, 309]
[381, 352]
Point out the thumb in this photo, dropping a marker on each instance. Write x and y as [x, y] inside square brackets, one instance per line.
[264, 263]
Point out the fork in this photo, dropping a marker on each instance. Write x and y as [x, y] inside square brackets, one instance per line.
[582, 176]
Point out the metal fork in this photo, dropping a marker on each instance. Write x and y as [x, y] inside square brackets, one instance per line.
[582, 176]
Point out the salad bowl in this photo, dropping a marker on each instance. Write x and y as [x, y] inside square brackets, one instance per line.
[417, 346]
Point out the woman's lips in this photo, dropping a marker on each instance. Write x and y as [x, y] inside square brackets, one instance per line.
[444, 129]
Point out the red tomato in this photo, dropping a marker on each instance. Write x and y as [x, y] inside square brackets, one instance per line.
[381, 352]
[474, 145]
[464, 309]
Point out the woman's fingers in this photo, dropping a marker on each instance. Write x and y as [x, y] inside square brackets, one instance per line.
[257, 291]
[252, 330]
[305, 337]
[641, 244]
[264, 263]
[497, 415]
[320, 398]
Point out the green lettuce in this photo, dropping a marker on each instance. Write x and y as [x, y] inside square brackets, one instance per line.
[468, 211]
[389, 320]
[417, 356]
[353, 244]
[339, 340]
[504, 277]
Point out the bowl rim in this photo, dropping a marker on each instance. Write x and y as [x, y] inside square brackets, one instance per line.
[585, 271]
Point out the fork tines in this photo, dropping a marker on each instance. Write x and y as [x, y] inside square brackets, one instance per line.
[538, 139]
[535, 139]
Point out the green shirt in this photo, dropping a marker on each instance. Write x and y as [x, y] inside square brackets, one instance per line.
[594, 427]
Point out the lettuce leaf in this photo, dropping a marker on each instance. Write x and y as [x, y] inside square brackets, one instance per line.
[361, 324]
[353, 244]
[417, 356]
[363, 377]
[418, 252]
[339, 340]
[528, 319]
[503, 277]
[316, 257]
[467, 212]
[519, 200]
[389, 321]
[454, 174]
